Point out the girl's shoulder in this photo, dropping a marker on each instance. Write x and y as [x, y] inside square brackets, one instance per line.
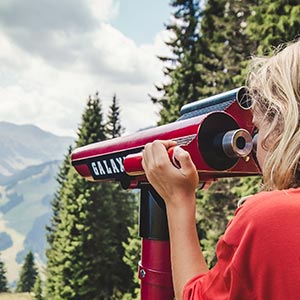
[269, 202]
[266, 214]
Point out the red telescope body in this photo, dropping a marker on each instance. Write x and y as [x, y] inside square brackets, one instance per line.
[218, 140]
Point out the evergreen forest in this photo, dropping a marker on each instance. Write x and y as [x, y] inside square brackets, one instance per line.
[93, 243]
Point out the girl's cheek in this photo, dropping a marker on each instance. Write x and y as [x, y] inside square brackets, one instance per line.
[260, 152]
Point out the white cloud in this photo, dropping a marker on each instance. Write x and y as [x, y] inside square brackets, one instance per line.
[49, 69]
[104, 10]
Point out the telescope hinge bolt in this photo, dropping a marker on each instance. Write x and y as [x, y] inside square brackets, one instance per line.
[142, 273]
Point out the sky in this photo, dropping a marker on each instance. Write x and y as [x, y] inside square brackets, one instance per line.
[55, 53]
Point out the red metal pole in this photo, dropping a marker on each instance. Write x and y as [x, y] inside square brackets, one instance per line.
[155, 265]
[155, 271]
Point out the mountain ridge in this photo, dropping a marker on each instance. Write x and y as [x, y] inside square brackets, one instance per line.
[29, 163]
[25, 145]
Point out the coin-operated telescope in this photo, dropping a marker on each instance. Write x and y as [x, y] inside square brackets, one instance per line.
[217, 132]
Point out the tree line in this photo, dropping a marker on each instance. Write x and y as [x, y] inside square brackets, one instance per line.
[90, 221]
[93, 244]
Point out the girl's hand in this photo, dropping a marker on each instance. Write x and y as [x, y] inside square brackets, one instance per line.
[175, 185]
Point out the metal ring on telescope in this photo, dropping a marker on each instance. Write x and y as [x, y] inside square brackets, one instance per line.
[237, 143]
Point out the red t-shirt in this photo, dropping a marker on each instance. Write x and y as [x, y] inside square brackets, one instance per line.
[259, 254]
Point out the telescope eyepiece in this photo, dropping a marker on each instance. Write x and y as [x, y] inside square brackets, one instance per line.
[237, 143]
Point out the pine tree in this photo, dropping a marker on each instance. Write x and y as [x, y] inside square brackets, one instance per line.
[92, 128]
[37, 288]
[3, 279]
[113, 127]
[210, 49]
[225, 46]
[238, 48]
[66, 206]
[131, 257]
[61, 178]
[85, 254]
[55, 221]
[273, 22]
[28, 274]
[182, 67]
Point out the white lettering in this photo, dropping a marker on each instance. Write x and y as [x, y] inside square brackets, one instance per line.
[93, 164]
[114, 166]
[120, 162]
[108, 169]
[102, 172]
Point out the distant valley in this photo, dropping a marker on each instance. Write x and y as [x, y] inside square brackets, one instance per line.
[29, 162]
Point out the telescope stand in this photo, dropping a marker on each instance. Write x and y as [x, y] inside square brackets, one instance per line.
[155, 265]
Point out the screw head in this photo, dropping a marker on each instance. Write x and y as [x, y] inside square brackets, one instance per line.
[142, 273]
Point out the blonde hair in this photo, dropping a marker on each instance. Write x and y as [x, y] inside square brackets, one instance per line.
[274, 85]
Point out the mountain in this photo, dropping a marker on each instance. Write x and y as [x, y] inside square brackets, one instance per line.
[27, 145]
[29, 163]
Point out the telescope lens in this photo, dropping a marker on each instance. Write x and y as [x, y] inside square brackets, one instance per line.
[211, 140]
[221, 141]
[243, 98]
[240, 142]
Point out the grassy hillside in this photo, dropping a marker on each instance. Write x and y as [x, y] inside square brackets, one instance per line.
[19, 296]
